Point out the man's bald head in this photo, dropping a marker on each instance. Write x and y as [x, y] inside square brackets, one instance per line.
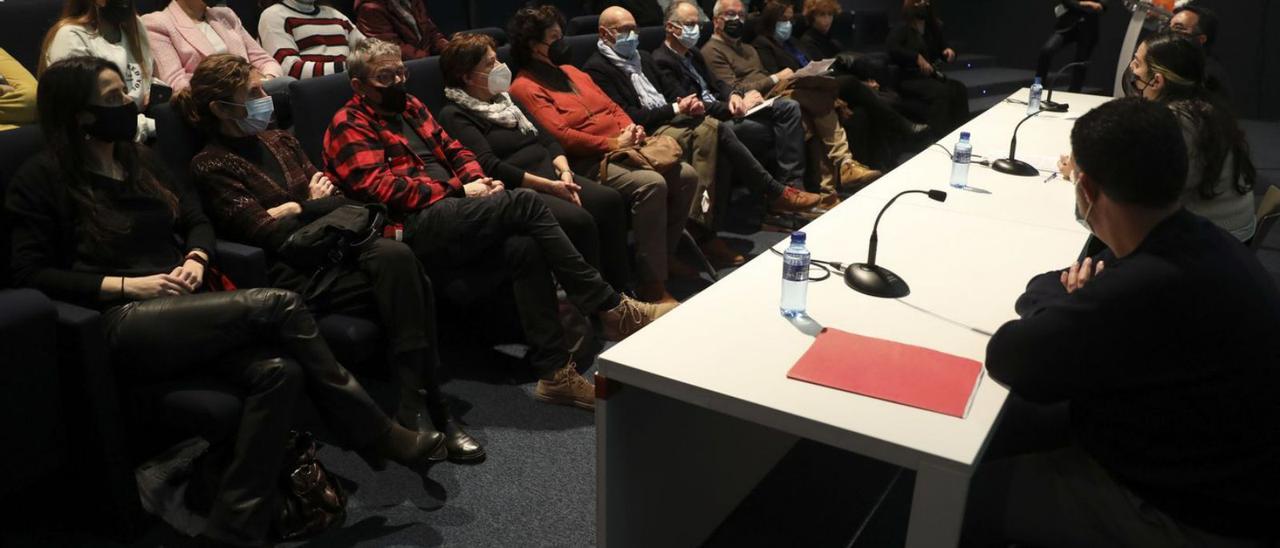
[616, 16]
[681, 12]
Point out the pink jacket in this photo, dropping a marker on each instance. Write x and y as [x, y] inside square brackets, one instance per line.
[179, 46]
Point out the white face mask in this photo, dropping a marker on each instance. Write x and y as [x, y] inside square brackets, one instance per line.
[499, 80]
[1083, 219]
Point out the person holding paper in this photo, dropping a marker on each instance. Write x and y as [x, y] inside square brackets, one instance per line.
[735, 62]
[872, 126]
[630, 79]
[1160, 348]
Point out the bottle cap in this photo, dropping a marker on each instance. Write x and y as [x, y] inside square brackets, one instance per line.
[797, 237]
[964, 136]
[1037, 80]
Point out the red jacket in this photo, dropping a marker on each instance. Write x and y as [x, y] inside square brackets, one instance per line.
[377, 19]
[584, 120]
[370, 161]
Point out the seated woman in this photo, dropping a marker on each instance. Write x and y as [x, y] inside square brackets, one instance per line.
[404, 23]
[915, 46]
[187, 31]
[260, 188]
[588, 125]
[308, 39]
[1170, 69]
[96, 222]
[874, 122]
[111, 30]
[479, 113]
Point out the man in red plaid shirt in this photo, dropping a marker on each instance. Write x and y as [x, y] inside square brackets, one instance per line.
[384, 146]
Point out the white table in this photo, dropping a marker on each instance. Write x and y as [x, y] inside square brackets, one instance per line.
[697, 407]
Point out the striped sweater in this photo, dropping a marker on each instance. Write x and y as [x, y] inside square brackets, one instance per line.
[307, 39]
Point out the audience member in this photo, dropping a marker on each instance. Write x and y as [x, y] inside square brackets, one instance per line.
[1200, 23]
[307, 38]
[774, 131]
[480, 114]
[97, 222]
[588, 125]
[260, 189]
[1170, 69]
[17, 93]
[187, 31]
[738, 64]
[404, 23]
[917, 46]
[1078, 22]
[873, 123]
[385, 146]
[629, 77]
[1160, 350]
[110, 31]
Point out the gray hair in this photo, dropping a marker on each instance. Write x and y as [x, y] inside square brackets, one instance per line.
[364, 52]
[718, 8]
[670, 14]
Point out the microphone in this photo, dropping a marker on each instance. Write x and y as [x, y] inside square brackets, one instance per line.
[1048, 103]
[877, 281]
[1012, 165]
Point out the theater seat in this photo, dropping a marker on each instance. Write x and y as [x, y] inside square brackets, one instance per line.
[652, 37]
[316, 100]
[26, 22]
[426, 82]
[583, 24]
[498, 35]
[31, 415]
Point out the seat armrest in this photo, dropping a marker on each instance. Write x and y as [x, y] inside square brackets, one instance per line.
[244, 264]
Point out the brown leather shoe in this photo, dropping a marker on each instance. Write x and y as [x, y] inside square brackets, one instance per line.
[794, 201]
[854, 175]
[567, 387]
[720, 255]
[630, 316]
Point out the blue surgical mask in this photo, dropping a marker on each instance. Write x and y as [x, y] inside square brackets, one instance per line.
[627, 44]
[689, 35]
[782, 31]
[257, 117]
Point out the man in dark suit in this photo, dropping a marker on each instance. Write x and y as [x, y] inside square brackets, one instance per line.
[1078, 22]
[629, 77]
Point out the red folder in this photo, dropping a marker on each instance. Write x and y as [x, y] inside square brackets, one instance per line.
[890, 371]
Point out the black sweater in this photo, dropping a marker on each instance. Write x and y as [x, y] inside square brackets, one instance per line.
[52, 255]
[505, 154]
[905, 44]
[1169, 363]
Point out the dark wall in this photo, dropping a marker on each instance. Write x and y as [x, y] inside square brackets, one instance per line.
[1013, 30]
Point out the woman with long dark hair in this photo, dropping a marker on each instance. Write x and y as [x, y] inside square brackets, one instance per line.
[918, 46]
[111, 30]
[96, 222]
[1170, 69]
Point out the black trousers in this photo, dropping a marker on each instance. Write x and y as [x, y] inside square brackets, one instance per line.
[778, 130]
[1084, 36]
[598, 228]
[948, 101]
[265, 341]
[515, 230]
[737, 166]
[874, 125]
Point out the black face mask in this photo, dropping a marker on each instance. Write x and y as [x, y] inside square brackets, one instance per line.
[116, 12]
[394, 98]
[558, 53]
[733, 28]
[113, 124]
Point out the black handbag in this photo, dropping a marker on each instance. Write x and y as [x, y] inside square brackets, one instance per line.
[327, 245]
[311, 499]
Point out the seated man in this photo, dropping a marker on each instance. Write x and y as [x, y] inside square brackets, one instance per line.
[384, 146]
[629, 78]
[1164, 358]
[738, 64]
[1194, 20]
[404, 23]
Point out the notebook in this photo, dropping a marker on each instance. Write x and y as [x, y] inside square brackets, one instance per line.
[886, 370]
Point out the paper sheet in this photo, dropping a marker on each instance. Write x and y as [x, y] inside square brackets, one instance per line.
[766, 104]
[816, 68]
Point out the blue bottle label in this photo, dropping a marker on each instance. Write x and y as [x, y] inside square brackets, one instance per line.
[795, 269]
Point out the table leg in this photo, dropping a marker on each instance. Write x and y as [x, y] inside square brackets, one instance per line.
[937, 505]
[669, 472]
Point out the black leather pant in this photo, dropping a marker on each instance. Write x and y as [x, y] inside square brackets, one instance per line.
[265, 341]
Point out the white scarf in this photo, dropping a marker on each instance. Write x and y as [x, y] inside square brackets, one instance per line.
[500, 110]
[649, 96]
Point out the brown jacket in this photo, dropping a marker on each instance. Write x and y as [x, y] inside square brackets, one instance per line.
[737, 64]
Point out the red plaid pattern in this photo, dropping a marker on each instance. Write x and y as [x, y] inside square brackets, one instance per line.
[373, 162]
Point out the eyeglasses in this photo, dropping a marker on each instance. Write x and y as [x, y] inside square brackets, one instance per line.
[390, 77]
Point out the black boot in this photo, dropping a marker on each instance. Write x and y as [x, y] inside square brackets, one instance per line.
[461, 446]
[406, 447]
[413, 371]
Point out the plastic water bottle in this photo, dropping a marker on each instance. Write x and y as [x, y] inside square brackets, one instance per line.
[795, 277]
[960, 161]
[1033, 102]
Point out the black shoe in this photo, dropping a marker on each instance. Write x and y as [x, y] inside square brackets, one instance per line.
[916, 132]
[406, 447]
[417, 424]
[462, 448]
